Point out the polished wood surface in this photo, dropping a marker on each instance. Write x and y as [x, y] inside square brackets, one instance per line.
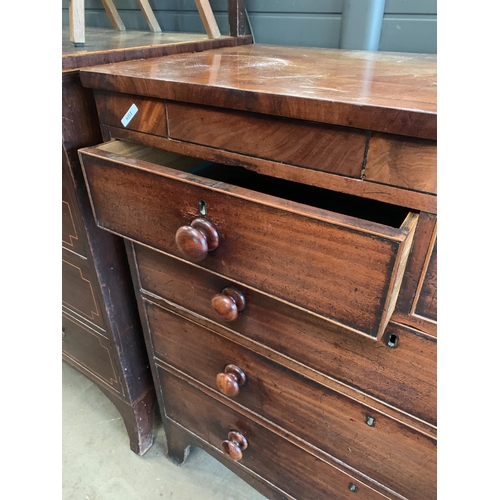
[402, 162]
[72, 233]
[385, 92]
[103, 46]
[270, 456]
[342, 361]
[420, 279]
[79, 289]
[230, 380]
[362, 258]
[150, 116]
[371, 190]
[91, 351]
[234, 445]
[196, 240]
[329, 370]
[225, 307]
[386, 450]
[426, 305]
[338, 150]
[102, 331]
[229, 303]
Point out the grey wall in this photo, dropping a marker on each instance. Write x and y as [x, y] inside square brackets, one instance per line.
[407, 26]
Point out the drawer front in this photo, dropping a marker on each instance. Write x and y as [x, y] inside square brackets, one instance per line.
[342, 268]
[275, 459]
[78, 291]
[339, 150]
[90, 351]
[387, 451]
[407, 380]
[403, 162]
[70, 237]
[132, 112]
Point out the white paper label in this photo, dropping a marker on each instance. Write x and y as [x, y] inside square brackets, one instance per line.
[129, 115]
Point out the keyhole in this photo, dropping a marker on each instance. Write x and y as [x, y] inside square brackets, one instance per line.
[202, 207]
[392, 341]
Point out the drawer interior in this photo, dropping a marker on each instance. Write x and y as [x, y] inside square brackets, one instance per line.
[354, 206]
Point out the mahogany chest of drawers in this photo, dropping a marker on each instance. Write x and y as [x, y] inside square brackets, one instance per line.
[279, 211]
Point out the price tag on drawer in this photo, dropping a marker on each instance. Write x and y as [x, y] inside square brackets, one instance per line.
[129, 115]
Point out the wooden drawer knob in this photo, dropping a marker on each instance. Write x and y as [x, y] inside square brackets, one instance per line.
[228, 303]
[230, 381]
[196, 240]
[234, 445]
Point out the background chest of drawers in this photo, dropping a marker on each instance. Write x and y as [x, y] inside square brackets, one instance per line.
[102, 334]
[279, 207]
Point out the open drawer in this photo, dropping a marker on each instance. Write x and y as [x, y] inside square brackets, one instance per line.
[337, 256]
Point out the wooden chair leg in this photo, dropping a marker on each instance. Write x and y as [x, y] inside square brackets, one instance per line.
[77, 22]
[113, 15]
[208, 18]
[236, 14]
[149, 15]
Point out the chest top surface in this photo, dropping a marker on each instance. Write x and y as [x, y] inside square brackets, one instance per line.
[385, 92]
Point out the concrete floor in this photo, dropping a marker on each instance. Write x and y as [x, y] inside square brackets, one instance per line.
[97, 463]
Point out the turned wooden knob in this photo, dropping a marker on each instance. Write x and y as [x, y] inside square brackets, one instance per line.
[234, 445]
[228, 303]
[196, 240]
[230, 381]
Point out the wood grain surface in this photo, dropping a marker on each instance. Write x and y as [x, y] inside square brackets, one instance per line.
[426, 305]
[315, 388]
[72, 233]
[103, 285]
[78, 288]
[150, 115]
[268, 455]
[90, 351]
[402, 162]
[404, 378]
[104, 46]
[322, 147]
[420, 279]
[385, 92]
[339, 183]
[274, 244]
[387, 451]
